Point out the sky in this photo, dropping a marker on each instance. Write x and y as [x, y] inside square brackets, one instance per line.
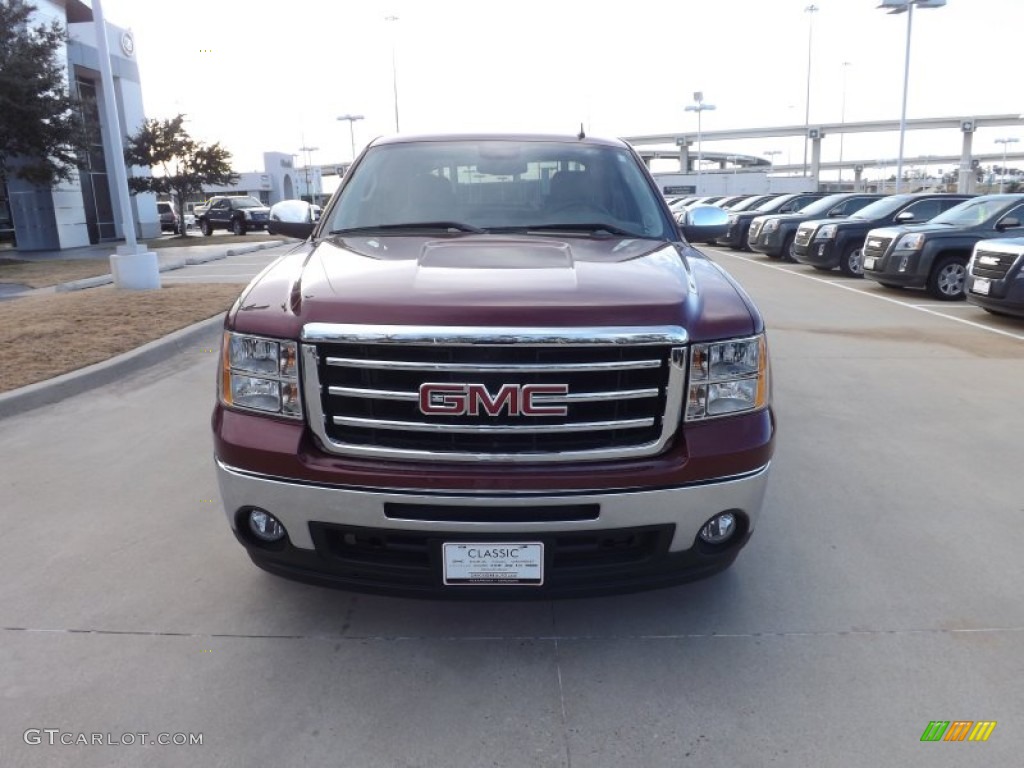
[274, 76]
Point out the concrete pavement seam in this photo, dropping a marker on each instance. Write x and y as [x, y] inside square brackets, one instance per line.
[67, 385]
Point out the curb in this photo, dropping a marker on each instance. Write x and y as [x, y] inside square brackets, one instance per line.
[66, 385]
[94, 282]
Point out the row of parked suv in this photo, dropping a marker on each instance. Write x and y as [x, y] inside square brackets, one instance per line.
[921, 240]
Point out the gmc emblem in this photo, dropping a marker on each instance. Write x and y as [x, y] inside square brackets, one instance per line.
[476, 400]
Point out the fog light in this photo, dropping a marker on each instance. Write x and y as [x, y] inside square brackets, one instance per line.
[265, 526]
[719, 528]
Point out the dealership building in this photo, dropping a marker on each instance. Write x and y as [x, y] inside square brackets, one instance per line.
[82, 211]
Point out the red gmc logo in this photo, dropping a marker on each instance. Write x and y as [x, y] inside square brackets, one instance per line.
[476, 400]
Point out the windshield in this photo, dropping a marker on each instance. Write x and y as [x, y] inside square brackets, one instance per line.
[822, 206]
[500, 185]
[748, 204]
[882, 208]
[973, 211]
[245, 202]
[774, 203]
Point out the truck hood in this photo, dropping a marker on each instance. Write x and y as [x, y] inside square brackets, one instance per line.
[495, 281]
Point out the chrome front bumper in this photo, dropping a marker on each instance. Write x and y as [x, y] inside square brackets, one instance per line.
[296, 505]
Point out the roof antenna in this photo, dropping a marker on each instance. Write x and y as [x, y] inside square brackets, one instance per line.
[581, 134]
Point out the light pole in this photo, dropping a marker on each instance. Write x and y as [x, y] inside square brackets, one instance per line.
[351, 132]
[906, 6]
[1002, 176]
[771, 153]
[842, 121]
[698, 107]
[810, 10]
[309, 161]
[394, 71]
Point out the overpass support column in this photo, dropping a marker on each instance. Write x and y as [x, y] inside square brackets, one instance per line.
[858, 174]
[684, 156]
[815, 161]
[966, 182]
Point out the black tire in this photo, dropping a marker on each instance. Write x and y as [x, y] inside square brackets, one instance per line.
[852, 262]
[948, 278]
[787, 249]
[238, 227]
[205, 228]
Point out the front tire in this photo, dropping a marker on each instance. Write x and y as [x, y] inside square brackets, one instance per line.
[852, 263]
[238, 227]
[205, 228]
[788, 254]
[947, 280]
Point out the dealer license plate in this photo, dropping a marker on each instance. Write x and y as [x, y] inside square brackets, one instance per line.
[869, 263]
[494, 562]
[981, 285]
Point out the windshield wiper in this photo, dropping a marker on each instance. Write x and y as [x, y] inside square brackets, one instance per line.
[411, 226]
[599, 229]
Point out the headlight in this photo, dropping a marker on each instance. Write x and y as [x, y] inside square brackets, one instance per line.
[910, 242]
[770, 226]
[260, 374]
[826, 232]
[727, 377]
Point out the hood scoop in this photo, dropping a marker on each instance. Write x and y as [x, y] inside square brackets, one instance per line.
[491, 254]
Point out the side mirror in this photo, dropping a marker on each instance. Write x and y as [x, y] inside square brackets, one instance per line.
[1009, 222]
[904, 216]
[294, 218]
[703, 222]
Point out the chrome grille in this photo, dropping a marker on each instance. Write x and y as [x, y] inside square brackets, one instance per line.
[803, 235]
[363, 391]
[875, 247]
[992, 265]
[755, 230]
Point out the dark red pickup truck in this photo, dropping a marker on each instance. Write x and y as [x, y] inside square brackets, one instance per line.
[495, 368]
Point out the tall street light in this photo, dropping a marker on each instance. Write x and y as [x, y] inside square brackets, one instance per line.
[351, 131]
[810, 10]
[842, 121]
[698, 107]
[906, 6]
[394, 70]
[1002, 176]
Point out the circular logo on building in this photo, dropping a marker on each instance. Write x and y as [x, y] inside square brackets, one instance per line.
[127, 43]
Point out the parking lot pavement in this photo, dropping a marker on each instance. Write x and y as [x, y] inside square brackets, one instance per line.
[232, 269]
[881, 590]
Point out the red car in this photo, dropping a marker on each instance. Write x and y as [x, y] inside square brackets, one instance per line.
[495, 368]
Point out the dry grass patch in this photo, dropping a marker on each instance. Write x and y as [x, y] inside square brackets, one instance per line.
[44, 336]
[41, 274]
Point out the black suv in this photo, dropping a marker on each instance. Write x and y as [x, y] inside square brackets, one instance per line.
[739, 221]
[775, 235]
[826, 245]
[995, 276]
[934, 255]
[239, 214]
